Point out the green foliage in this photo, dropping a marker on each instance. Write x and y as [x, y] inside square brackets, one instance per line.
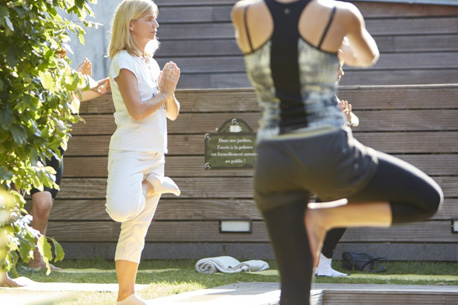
[36, 87]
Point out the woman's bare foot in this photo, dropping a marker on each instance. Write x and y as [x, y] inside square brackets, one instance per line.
[132, 300]
[316, 231]
[6, 281]
[155, 185]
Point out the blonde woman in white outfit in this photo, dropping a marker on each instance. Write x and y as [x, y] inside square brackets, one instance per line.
[143, 97]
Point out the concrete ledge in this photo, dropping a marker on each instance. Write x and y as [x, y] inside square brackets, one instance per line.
[349, 294]
[321, 294]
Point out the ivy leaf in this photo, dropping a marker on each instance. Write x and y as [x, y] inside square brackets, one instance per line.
[4, 18]
[37, 183]
[45, 250]
[36, 130]
[12, 56]
[34, 156]
[58, 250]
[9, 24]
[47, 80]
[6, 117]
[19, 134]
[3, 13]
[5, 174]
[26, 249]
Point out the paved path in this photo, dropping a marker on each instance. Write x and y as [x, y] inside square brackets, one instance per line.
[269, 293]
[239, 293]
[257, 293]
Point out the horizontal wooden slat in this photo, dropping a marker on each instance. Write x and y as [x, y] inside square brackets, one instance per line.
[197, 14]
[228, 47]
[220, 12]
[168, 231]
[400, 77]
[201, 123]
[411, 142]
[189, 123]
[358, 77]
[88, 146]
[208, 231]
[190, 209]
[409, 120]
[209, 122]
[393, 142]
[403, 10]
[449, 185]
[196, 47]
[103, 104]
[171, 3]
[430, 60]
[191, 187]
[168, 209]
[244, 100]
[213, 100]
[395, 26]
[402, 26]
[193, 166]
[438, 231]
[416, 43]
[197, 31]
[369, 10]
[434, 252]
[435, 165]
[397, 61]
[400, 97]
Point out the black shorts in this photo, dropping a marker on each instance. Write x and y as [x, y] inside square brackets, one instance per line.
[332, 165]
[59, 168]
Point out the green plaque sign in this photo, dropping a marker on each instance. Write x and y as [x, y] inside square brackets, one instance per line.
[231, 147]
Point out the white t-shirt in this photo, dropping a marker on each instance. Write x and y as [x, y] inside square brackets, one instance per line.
[149, 134]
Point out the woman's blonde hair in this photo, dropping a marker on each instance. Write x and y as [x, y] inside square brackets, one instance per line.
[121, 39]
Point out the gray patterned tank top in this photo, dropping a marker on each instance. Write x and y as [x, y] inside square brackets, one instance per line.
[295, 82]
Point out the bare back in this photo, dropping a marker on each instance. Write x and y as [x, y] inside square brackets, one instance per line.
[254, 25]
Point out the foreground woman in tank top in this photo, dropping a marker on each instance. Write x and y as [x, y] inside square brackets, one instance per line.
[292, 50]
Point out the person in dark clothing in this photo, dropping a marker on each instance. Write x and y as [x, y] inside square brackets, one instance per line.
[292, 50]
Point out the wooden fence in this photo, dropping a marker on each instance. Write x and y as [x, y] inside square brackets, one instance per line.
[407, 104]
[418, 44]
[416, 123]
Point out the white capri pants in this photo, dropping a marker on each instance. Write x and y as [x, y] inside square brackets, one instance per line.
[126, 202]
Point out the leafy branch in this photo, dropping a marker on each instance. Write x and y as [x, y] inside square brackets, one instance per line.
[36, 115]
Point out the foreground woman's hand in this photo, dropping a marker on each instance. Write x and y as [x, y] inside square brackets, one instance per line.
[168, 79]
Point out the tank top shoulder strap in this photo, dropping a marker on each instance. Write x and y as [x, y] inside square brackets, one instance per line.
[333, 12]
[247, 32]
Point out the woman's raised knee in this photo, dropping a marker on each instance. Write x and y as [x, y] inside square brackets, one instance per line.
[434, 201]
[123, 210]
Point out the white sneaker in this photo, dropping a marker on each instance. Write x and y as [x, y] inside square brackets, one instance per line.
[324, 268]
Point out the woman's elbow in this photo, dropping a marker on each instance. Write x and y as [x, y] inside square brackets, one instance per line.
[137, 116]
[172, 117]
[371, 59]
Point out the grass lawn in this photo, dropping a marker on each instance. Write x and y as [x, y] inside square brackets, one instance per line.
[167, 277]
